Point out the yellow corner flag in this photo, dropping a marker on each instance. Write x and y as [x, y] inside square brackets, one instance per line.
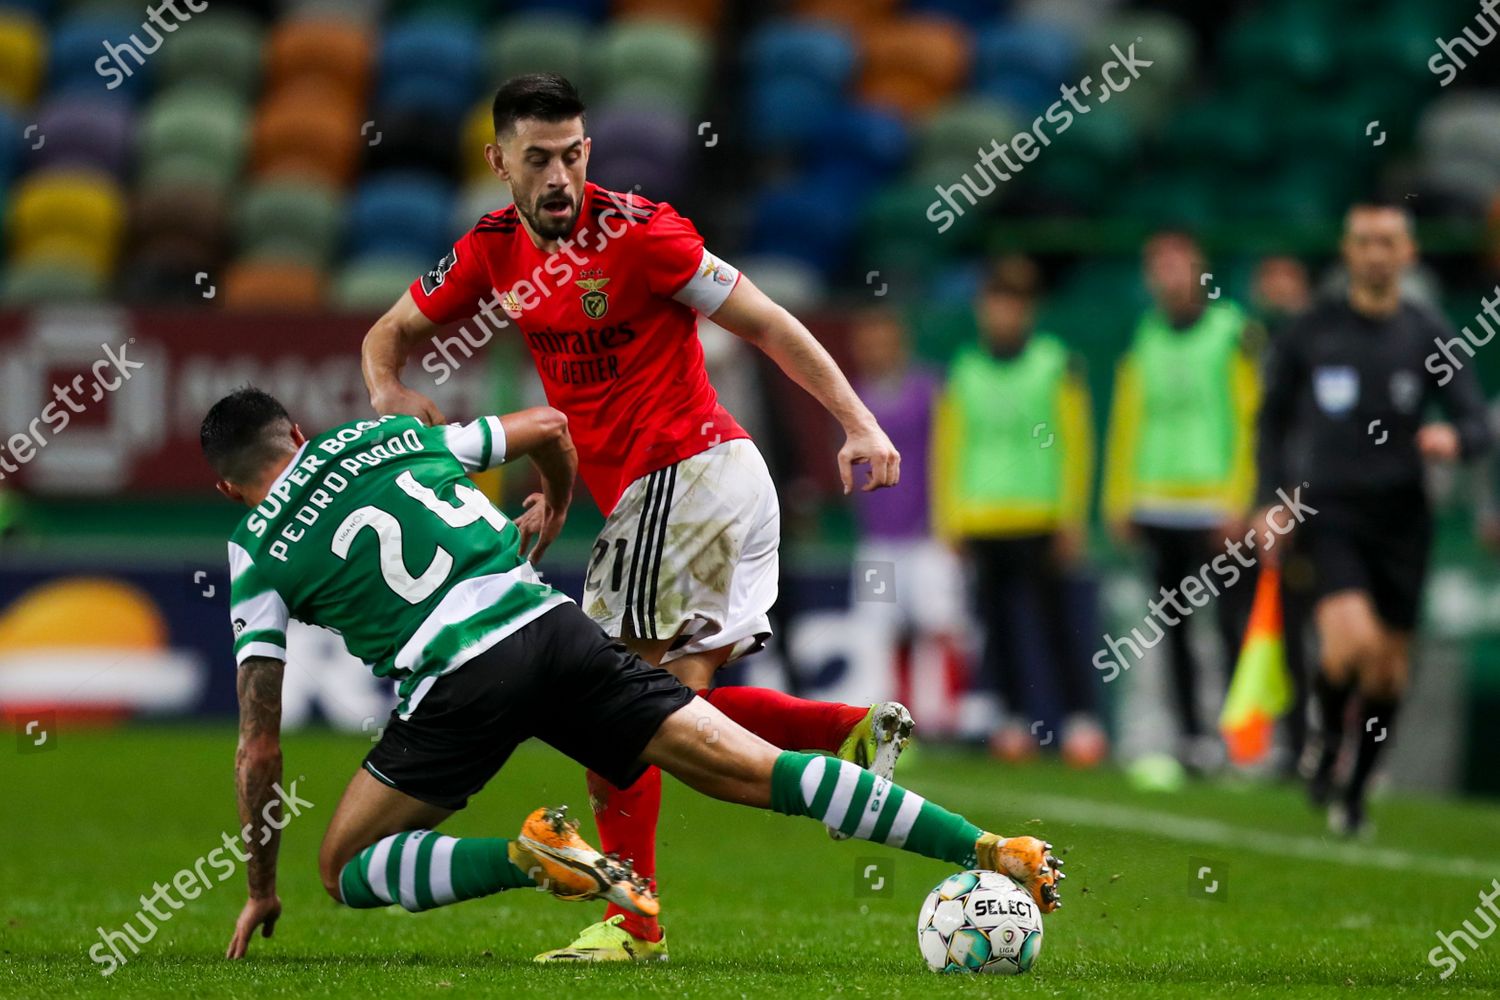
[1261, 690]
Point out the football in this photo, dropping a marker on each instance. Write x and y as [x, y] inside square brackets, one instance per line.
[979, 921]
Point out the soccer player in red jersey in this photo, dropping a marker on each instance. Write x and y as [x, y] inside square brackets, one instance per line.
[606, 288]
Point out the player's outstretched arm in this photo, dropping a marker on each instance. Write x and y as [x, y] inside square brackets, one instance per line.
[384, 353]
[541, 434]
[749, 314]
[257, 777]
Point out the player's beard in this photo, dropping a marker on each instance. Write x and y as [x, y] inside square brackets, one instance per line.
[546, 226]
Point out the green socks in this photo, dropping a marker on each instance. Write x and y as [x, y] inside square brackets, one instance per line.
[856, 802]
[422, 869]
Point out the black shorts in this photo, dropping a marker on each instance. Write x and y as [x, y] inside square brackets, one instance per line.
[560, 679]
[1379, 544]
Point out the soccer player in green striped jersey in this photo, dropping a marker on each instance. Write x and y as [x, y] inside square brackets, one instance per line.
[372, 530]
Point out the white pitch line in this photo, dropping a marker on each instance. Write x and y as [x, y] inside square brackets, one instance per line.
[1212, 831]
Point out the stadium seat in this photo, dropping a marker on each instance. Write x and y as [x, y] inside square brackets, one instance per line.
[952, 138]
[479, 198]
[310, 130]
[477, 132]
[703, 14]
[474, 13]
[805, 221]
[271, 286]
[23, 52]
[894, 224]
[791, 283]
[1290, 45]
[805, 53]
[290, 220]
[13, 149]
[195, 219]
[588, 10]
[1216, 134]
[429, 63]
[1182, 199]
[1463, 126]
[194, 136]
[412, 139]
[83, 208]
[1024, 62]
[540, 42]
[640, 146]
[870, 139]
[86, 132]
[338, 53]
[78, 43]
[365, 14]
[784, 114]
[401, 214]
[51, 279]
[371, 284]
[856, 15]
[966, 11]
[1164, 39]
[217, 47]
[646, 62]
[911, 64]
[166, 269]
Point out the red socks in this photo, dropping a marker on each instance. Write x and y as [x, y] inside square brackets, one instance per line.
[785, 721]
[627, 816]
[627, 827]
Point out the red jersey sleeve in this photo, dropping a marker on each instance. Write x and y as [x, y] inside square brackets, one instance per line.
[679, 266]
[452, 290]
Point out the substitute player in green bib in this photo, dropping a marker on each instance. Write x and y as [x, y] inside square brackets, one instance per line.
[372, 530]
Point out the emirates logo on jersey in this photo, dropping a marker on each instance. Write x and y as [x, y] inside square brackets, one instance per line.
[595, 302]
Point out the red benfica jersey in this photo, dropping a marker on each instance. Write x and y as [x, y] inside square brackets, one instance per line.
[611, 320]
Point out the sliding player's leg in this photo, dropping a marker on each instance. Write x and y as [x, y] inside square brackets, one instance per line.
[381, 848]
[711, 753]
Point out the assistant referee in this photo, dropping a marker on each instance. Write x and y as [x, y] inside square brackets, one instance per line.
[1349, 383]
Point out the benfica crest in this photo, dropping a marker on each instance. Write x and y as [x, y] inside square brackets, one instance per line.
[595, 302]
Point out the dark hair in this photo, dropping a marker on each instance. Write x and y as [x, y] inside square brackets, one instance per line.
[244, 432]
[1014, 275]
[544, 96]
[1383, 205]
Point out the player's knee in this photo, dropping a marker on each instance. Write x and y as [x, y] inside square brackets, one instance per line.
[330, 870]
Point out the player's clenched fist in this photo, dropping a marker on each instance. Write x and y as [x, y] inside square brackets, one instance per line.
[869, 446]
[398, 399]
[258, 912]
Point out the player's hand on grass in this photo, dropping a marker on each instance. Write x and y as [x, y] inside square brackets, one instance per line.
[542, 522]
[1438, 442]
[260, 912]
[397, 398]
[869, 446]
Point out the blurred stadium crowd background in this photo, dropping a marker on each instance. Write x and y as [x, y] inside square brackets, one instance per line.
[234, 190]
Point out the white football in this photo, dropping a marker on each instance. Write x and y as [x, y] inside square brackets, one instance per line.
[979, 921]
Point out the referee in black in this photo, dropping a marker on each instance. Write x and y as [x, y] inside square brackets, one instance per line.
[1347, 409]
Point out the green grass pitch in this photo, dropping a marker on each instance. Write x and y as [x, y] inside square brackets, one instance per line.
[758, 905]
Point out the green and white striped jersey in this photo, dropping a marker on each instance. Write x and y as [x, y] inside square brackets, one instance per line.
[374, 532]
